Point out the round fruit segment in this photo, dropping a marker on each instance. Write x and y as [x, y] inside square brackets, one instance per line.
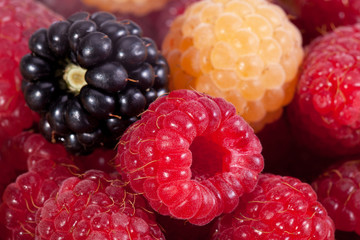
[246, 52]
[317, 17]
[18, 19]
[89, 77]
[95, 205]
[325, 115]
[191, 156]
[338, 190]
[278, 208]
[136, 7]
[23, 198]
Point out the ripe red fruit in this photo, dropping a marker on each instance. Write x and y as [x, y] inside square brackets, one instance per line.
[23, 198]
[278, 208]
[338, 190]
[13, 159]
[325, 113]
[18, 19]
[316, 17]
[96, 206]
[191, 155]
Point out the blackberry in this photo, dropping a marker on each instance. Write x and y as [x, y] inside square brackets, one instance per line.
[89, 77]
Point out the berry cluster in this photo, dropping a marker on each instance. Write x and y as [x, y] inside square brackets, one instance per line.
[89, 77]
[94, 146]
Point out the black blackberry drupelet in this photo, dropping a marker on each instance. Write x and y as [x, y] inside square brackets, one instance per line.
[89, 77]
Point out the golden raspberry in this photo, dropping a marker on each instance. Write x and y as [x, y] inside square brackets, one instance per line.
[136, 7]
[246, 51]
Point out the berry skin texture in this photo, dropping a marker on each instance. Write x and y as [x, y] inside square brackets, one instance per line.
[315, 18]
[338, 190]
[96, 206]
[324, 114]
[247, 52]
[191, 156]
[89, 77]
[13, 159]
[278, 208]
[135, 7]
[18, 19]
[23, 198]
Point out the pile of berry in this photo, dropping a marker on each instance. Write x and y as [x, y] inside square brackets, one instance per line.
[184, 119]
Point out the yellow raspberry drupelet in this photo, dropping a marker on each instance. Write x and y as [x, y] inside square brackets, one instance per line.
[135, 7]
[246, 51]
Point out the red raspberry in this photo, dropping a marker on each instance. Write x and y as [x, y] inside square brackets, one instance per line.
[36, 148]
[191, 155]
[18, 20]
[325, 113]
[316, 17]
[15, 151]
[22, 199]
[278, 208]
[12, 159]
[95, 206]
[338, 189]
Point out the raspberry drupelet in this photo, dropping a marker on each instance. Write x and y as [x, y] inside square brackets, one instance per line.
[338, 190]
[324, 114]
[191, 156]
[48, 165]
[245, 51]
[96, 206]
[18, 19]
[278, 208]
[23, 198]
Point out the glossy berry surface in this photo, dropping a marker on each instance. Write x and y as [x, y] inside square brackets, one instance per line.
[93, 206]
[17, 21]
[278, 208]
[87, 70]
[315, 18]
[191, 156]
[23, 198]
[247, 52]
[40, 166]
[338, 190]
[325, 112]
[13, 159]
